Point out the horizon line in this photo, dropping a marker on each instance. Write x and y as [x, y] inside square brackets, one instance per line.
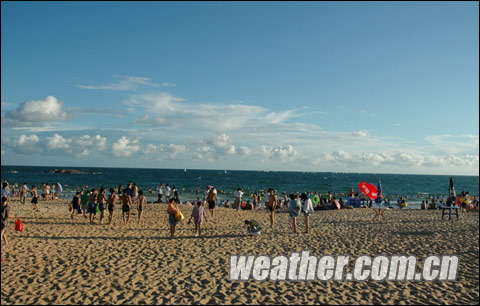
[258, 170]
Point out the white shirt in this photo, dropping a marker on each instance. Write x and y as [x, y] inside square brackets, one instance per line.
[238, 194]
[167, 191]
[267, 195]
[308, 206]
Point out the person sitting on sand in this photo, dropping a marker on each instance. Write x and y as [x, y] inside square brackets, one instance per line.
[126, 206]
[253, 227]
[112, 200]
[172, 211]
[141, 205]
[198, 215]
[4, 217]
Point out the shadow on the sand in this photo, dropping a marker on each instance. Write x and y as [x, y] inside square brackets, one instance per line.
[134, 238]
[414, 233]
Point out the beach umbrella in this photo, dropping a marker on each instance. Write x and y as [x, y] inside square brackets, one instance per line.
[368, 189]
[379, 197]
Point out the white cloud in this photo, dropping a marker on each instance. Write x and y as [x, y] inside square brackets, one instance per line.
[124, 147]
[57, 142]
[244, 151]
[172, 112]
[96, 142]
[124, 84]
[360, 134]
[32, 112]
[23, 144]
[283, 153]
[168, 84]
[162, 151]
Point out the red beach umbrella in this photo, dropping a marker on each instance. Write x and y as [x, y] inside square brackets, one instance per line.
[368, 189]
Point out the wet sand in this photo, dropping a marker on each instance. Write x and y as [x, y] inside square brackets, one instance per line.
[57, 260]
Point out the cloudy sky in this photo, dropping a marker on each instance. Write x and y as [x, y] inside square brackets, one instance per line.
[346, 87]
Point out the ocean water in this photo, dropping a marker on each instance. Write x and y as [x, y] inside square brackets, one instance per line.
[227, 181]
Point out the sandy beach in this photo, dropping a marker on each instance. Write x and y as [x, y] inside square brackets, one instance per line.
[57, 260]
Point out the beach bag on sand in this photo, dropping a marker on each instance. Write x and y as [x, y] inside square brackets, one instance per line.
[179, 216]
[18, 225]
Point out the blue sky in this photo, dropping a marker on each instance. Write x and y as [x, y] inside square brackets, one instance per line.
[349, 87]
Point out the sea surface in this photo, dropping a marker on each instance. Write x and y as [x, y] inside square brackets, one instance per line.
[187, 181]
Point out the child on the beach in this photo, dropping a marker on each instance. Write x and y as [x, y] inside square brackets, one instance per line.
[294, 210]
[112, 200]
[253, 227]
[172, 211]
[4, 218]
[35, 199]
[141, 205]
[198, 215]
[85, 196]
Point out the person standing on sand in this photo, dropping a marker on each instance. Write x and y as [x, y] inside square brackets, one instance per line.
[294, 210]
[238, 198]
[265, 198]
[92, 205]
[167, 192]
[212, 198]
[23, 193]
[34, 200]
[102, 203]
[307, 210]
[5, 190]
[4, 218]
[172, 211]
[134, 193]
[112, 200]
[126, 207]
[160, 193]
[272, 205]
[198, 215]
[85, 196]
[141, 205]
[256, 199]
[76, 202]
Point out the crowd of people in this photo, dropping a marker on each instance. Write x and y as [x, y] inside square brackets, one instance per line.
[93, 203]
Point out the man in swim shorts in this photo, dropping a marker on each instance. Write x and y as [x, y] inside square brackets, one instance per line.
[211, 198]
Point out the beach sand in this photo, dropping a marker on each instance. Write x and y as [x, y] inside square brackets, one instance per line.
[56, 260]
